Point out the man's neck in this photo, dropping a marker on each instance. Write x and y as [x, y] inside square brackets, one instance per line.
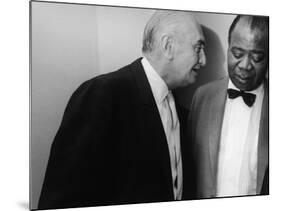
[159, 67]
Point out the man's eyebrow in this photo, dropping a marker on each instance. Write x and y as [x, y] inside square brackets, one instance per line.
[258, 51]
[237, 48]
[252, 51]
[201, 42]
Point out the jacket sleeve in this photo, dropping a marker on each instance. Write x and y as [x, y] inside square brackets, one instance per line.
[80, 163]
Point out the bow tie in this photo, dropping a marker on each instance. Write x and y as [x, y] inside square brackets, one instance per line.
[248, 98]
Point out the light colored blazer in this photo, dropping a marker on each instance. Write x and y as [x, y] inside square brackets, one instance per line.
[205, 120]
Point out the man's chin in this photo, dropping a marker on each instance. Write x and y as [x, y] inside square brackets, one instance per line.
[242, 85]
[190, 81]
[195, 71]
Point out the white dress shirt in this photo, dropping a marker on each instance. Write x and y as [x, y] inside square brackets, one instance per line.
[237, 160]
[167, 110]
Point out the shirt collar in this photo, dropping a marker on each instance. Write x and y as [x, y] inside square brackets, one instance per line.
[258, 91]
[157, 84]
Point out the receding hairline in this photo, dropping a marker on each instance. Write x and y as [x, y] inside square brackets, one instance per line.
[168, 22]
[250, 22]
[174, 18]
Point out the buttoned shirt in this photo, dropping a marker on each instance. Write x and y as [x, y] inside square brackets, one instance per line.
[166, 108]
[237, 159]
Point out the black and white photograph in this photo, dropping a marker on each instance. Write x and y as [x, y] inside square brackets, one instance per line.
[135, 105]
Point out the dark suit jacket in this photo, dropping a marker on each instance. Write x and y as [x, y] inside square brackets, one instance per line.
[206, 118]
[111, 147]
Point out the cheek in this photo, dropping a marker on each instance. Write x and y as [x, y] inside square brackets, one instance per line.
[191, 61]
[232, 63]
[186, 64]
[260, 71]
[230, 68]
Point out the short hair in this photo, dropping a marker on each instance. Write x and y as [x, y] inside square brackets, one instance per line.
[256, 23]
[148, 37]
[159, 20]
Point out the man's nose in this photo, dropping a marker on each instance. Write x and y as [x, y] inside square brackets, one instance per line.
[245, 63]
[202, 58]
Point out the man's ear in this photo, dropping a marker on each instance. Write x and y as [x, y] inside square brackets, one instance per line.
[167, 46]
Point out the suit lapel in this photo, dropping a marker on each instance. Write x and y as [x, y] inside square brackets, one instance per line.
[153, 124]
[263, 142]
[214, 122]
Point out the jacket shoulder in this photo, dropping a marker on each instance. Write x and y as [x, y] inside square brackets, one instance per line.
[206, 93]
[212, 87]
[116, 80]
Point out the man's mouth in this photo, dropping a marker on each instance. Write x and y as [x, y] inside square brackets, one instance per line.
[195, 69]
[243, 79]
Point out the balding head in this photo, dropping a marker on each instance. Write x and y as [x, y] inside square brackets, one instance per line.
[173, 43]
[168, 22]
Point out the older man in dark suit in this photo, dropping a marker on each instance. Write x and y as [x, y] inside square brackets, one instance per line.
[229, 117]
[121, 139]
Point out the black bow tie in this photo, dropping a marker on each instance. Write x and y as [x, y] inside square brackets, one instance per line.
[248, 98]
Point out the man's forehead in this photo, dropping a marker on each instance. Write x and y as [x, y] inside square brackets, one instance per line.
[244, 34]
[197, 34]
[200, 40]
[190, 34]
[244, 27]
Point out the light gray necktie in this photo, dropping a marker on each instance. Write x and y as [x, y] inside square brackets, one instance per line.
[174, 145]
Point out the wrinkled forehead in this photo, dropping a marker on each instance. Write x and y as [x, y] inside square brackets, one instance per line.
[182, 24]
[199, 33]
[194, 33]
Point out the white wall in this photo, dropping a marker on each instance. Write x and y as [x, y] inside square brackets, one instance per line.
[64, 53]
[120, 35]
[73, 43]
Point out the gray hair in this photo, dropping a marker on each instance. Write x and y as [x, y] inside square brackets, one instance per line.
[168, 21]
